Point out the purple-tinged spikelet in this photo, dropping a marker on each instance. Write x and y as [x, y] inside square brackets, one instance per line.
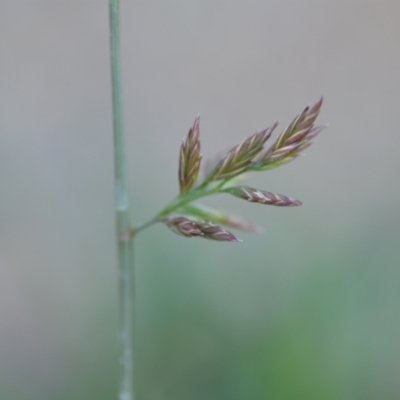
[190, 158]
[294, 139]
[262, 196]
[215, 232]
[189, 228]
[202, 212]
[182, 226]
[241, 156]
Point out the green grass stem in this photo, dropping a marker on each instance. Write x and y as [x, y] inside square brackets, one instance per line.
[123, 221]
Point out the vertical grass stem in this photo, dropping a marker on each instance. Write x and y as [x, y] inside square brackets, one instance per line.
[123, 223]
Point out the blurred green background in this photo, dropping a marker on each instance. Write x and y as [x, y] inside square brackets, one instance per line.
[310, 309]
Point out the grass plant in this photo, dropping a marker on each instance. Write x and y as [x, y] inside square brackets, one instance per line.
[184, 215]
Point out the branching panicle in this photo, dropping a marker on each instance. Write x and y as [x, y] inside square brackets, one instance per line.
[190, 219]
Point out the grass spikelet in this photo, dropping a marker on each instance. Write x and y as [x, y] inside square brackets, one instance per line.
[190, 158]
[262, 196]
[241, 156]
[294, 139]
[215, 232]
[182, 226]
[222, 217]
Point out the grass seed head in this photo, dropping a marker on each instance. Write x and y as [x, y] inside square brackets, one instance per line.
[226, 173]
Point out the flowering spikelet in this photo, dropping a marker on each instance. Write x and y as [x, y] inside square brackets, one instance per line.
[182, 226]
[202, 212]
[190, 158]
[215, 232]
[241, 156]
[262, 196]
[186, 227]
[294, 139]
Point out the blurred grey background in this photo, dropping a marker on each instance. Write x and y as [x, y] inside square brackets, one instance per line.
[310, 309]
